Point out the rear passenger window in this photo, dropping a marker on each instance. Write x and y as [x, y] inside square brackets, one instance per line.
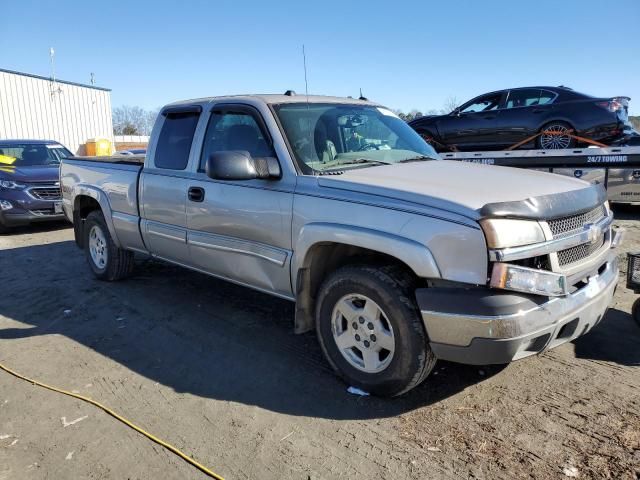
[523, 98]
[546, 97]
[174, 143]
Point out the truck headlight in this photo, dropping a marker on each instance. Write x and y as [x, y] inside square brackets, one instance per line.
[11, 185]
[529, 280]
[506, 232]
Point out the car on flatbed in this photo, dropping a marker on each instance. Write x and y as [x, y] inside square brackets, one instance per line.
[559, 116]
[29, 182]
[394, 257]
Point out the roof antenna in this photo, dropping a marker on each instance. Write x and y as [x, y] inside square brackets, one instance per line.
[306, 85]
[362, 97]
[306, 92]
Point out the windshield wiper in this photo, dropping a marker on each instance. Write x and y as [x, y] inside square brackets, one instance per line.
[420, 158]
[366, 160]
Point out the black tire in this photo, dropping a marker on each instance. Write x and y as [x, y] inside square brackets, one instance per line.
[393, 291]
[119, 262]
[570, 142]
[4, 228]
[635, 311]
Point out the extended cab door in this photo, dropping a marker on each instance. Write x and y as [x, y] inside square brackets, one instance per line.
[164, 183]
[241, 230]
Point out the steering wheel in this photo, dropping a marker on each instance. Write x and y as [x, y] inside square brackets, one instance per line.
[368, 146]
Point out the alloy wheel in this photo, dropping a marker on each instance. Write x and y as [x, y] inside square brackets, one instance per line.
[98, 247]
[555, 137]
[362, 333]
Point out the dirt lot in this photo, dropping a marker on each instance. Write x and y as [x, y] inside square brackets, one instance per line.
[216, 370]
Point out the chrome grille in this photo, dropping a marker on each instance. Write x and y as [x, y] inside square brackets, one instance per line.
[45, 193]
[579, 252]
[561, 227]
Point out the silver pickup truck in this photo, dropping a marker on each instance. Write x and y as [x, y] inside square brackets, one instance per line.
[395, 257]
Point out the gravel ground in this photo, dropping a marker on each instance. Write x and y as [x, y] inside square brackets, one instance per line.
[216, 370]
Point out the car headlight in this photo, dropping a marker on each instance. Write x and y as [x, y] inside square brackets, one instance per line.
[506, 232]
[11, 185]
[529, 280]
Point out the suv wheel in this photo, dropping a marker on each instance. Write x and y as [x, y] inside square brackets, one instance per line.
[370, 329]
[106, 260]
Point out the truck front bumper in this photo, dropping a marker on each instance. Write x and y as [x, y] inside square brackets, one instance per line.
[481, 326]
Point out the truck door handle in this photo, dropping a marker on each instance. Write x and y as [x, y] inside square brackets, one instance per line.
[196, 194]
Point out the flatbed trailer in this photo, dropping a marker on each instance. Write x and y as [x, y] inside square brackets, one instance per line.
[617, 168]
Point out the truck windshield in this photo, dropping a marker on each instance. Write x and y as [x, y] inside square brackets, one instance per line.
[327, 137]
[27, 155]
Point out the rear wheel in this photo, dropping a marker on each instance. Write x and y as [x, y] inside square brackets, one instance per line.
[556, 135]
[106, 260]
[4, 228]
[370, 329]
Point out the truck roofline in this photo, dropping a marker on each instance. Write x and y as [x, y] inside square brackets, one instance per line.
[274, 99]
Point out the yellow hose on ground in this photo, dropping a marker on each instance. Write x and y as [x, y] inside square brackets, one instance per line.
[166, 445]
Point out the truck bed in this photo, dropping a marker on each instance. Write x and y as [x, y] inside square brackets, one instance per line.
[120, 159]
[113, 183]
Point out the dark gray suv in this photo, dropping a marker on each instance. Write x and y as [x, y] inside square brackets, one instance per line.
[29, 182]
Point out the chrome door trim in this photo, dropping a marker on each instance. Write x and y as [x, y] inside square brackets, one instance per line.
[224, 243]
[166, 231]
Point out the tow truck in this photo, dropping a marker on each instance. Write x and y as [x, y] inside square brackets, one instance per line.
[616, 168]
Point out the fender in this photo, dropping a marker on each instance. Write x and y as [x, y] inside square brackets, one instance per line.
[412, 253]
[103, 200]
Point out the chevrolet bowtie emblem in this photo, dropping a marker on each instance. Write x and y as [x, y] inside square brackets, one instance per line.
[594, 232]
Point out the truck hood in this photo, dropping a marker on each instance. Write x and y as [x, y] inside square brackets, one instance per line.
[34, 174]
[470, 189]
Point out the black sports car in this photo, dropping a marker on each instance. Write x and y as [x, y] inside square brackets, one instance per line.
[501, 119]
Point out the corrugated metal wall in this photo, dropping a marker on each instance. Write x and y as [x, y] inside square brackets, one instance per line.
[37, 108]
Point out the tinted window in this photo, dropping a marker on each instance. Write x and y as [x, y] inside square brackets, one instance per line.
[229, 131]
[546, 96]
[483, 104]
[523, 98]
[175, 140]
[528, 98]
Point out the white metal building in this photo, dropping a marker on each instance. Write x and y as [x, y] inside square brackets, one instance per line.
[34, 107]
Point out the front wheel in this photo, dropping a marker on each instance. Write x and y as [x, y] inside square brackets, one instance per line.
[106, 260]
[635, 311]
[370, 329]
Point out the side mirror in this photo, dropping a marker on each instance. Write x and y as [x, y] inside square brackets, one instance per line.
[240, 165]
[456, 112]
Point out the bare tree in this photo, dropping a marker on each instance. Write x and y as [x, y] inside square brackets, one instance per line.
[450, 104]
[133, 120]
[415, 114]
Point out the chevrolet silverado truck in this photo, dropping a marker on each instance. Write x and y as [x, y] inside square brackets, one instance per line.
[395, 257]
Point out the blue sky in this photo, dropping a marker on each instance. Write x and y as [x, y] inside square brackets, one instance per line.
[404, 54]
